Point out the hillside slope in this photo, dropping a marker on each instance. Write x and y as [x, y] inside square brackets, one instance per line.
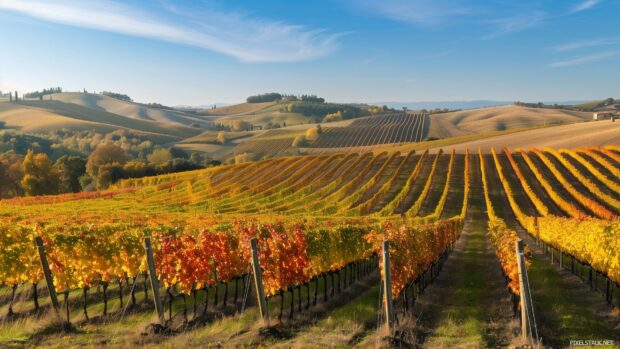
[44, 116]
[237, 109]
[599, 133]
[502, 118]
[33, 120]
[127, 109]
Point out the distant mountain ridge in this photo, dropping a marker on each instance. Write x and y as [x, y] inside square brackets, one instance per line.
[482, 103]
[202, 106]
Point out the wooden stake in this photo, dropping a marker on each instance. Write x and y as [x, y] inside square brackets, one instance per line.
[526, 307]
[48, 274]
[387, 286]
[154, 282]
[258, 281]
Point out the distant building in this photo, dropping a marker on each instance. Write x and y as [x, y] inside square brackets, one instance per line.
[610, 112]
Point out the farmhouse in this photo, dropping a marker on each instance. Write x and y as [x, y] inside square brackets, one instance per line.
[609, 112]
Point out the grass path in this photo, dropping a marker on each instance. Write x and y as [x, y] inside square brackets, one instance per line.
[468, 306]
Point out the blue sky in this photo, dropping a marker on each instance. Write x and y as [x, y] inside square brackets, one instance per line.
[199, 52]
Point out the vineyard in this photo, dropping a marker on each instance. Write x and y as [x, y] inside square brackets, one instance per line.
[390, 128]
[362, 134]
[260, 148]
[319, 224]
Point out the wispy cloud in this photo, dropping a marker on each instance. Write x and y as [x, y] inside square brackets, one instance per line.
[585, 44]
[499, 17]
[584, 5]
[245, 38]
[515, 24]
[420, 12]
[529, 18]
[584, 59]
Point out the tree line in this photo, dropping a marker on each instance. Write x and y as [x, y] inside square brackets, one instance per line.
[120, 96]
[44, 92]
[36, 174]
[580, 107]
[321, 110]
[274, 96]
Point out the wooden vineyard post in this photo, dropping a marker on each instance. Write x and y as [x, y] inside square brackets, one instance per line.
[154, 282]
[524, 292]
[387, 286]
[258, 282]
[48, 274]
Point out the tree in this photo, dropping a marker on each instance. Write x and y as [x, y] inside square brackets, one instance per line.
[11, 175]
[312, 98]
[86, 182]
[39, 175]
[299, 141]
[267, 97]
[108, 174]
[40, 94]
[104, 154]
[239, 125]
[245, 157]
[9, 186]
[120, 96]
[137, 169]
[221, 137]
[177, 165]
[70, 169]
[2, 124]
[160, 156]
[6, 182]
[196, 158]
[313, 133]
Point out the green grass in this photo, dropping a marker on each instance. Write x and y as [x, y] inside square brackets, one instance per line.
[341, 328]
[563, 310]
[464, 322]
[239, 329]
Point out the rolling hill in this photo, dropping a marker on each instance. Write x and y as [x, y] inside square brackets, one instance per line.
[35, 116]
[127, 109]
[576, 135]
[501, 118]
[237, 109]
[190, 130]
